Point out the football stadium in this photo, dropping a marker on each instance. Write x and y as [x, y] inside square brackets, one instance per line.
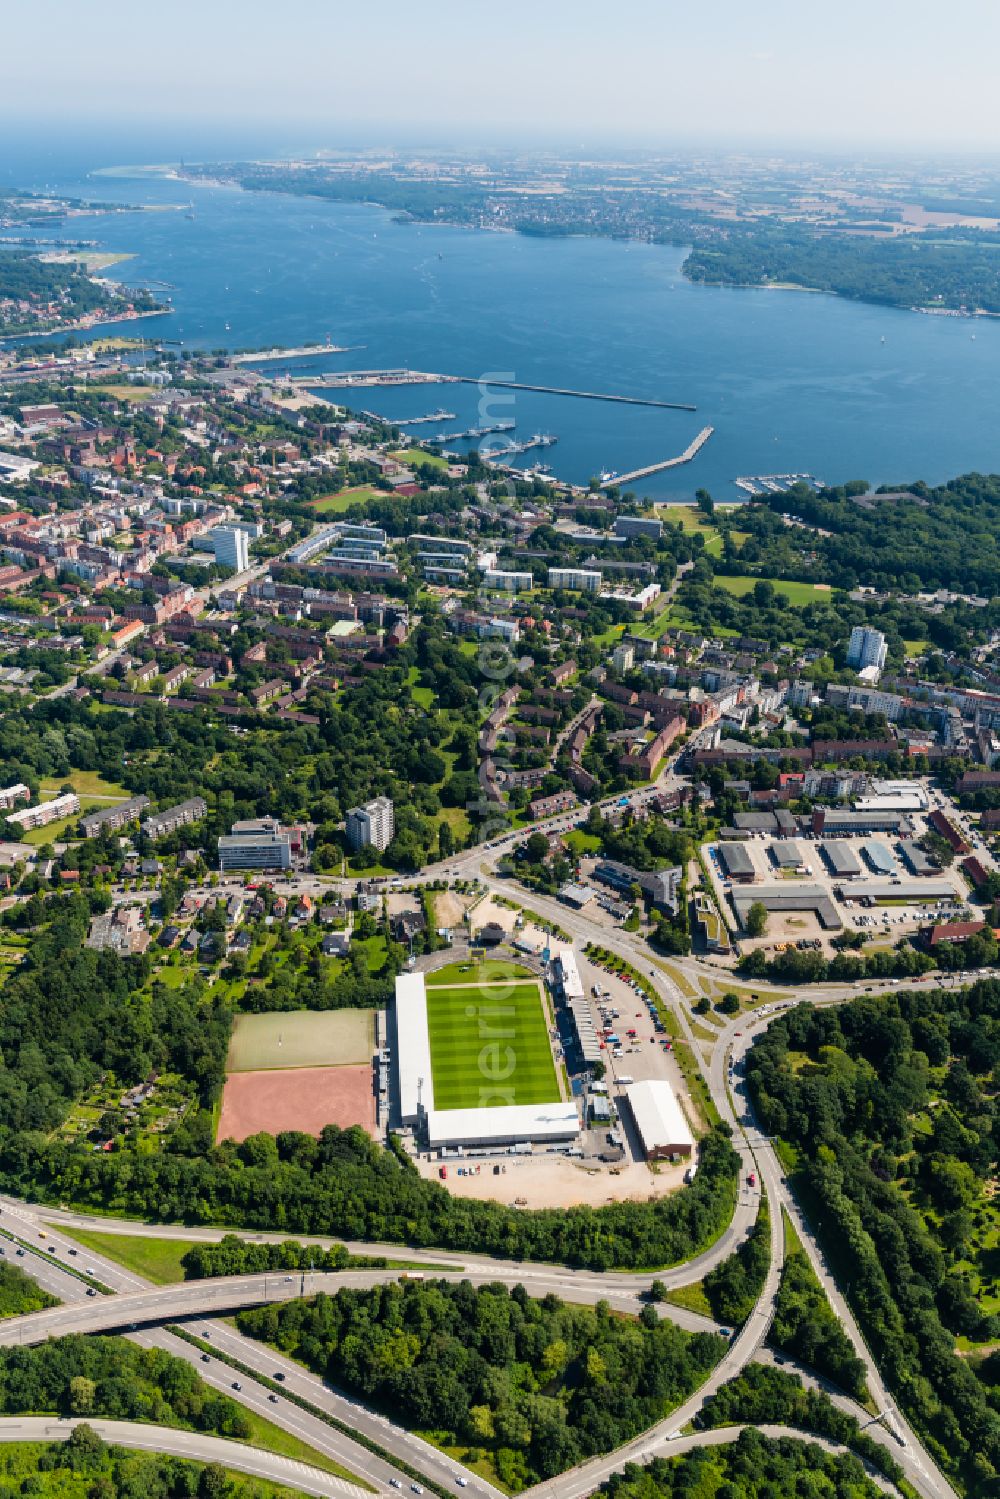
[475, 1066]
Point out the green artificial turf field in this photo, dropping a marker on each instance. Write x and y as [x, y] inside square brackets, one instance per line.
[490, 1046]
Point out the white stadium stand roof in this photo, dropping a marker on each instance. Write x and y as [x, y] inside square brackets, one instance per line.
[503, 1126]
[413, 1047]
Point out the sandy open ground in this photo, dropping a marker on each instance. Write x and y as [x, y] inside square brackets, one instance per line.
[301, 1038]
[300, 1098]
[450, 907]
[549, 1181]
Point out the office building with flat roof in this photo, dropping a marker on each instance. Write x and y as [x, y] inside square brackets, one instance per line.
[262, 847]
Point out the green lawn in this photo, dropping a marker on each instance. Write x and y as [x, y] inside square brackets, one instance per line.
[158, 1260]
[581, 842]
[374, 950]
[85, 783]
[916, 647]
[488, 971]
[490, 1047]
[797, 594]
[336, 504]
[413, 456]
[55, 832]
[422, 696]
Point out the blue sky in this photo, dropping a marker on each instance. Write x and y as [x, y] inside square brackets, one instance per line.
[876, 73]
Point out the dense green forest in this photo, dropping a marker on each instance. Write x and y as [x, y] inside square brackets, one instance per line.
[235, 1256]
[892, 1107]
[954, 268]
[85, 1467]
[19, 1294]
[111, 1377]
[733, 1287]
[922, 539]
[752, 1467]
[761, 1395]
[538, 1385]
[806, 1326]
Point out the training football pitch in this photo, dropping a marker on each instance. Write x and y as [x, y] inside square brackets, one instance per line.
[301, 1038]
[490, 1046]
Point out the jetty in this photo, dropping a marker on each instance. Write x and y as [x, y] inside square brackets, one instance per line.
[307, 351]
[657, 468]
[340, 378]
[474, 432]
[579, 395]
[416, 421]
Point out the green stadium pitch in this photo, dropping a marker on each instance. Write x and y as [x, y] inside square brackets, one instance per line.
[490, 1046]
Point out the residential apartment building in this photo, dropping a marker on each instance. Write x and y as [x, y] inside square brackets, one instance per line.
[866, 648]
[110, 819]
[231, 546]
[371, 825]
[45, 812]
[580, 579]
[162, 823]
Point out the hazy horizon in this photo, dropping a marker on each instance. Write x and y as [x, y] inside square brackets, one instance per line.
[885, 79]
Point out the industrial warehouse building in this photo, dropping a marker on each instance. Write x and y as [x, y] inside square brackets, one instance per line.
[842, 861]
[832, 822]
[659, 1119]
[737, 863]
[878, 857]
[470, 1128]
[882, 890]
[791, 897]
[788, 855]
[916, 860]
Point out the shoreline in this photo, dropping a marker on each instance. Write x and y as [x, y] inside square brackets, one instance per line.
[84, 327]
[406, 216]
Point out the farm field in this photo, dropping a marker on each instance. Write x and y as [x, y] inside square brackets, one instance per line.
[301, 1038]
[509, 1020]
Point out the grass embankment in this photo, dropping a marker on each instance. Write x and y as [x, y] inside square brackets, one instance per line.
[158, 1260]
[488, 971]
[25, 1468]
